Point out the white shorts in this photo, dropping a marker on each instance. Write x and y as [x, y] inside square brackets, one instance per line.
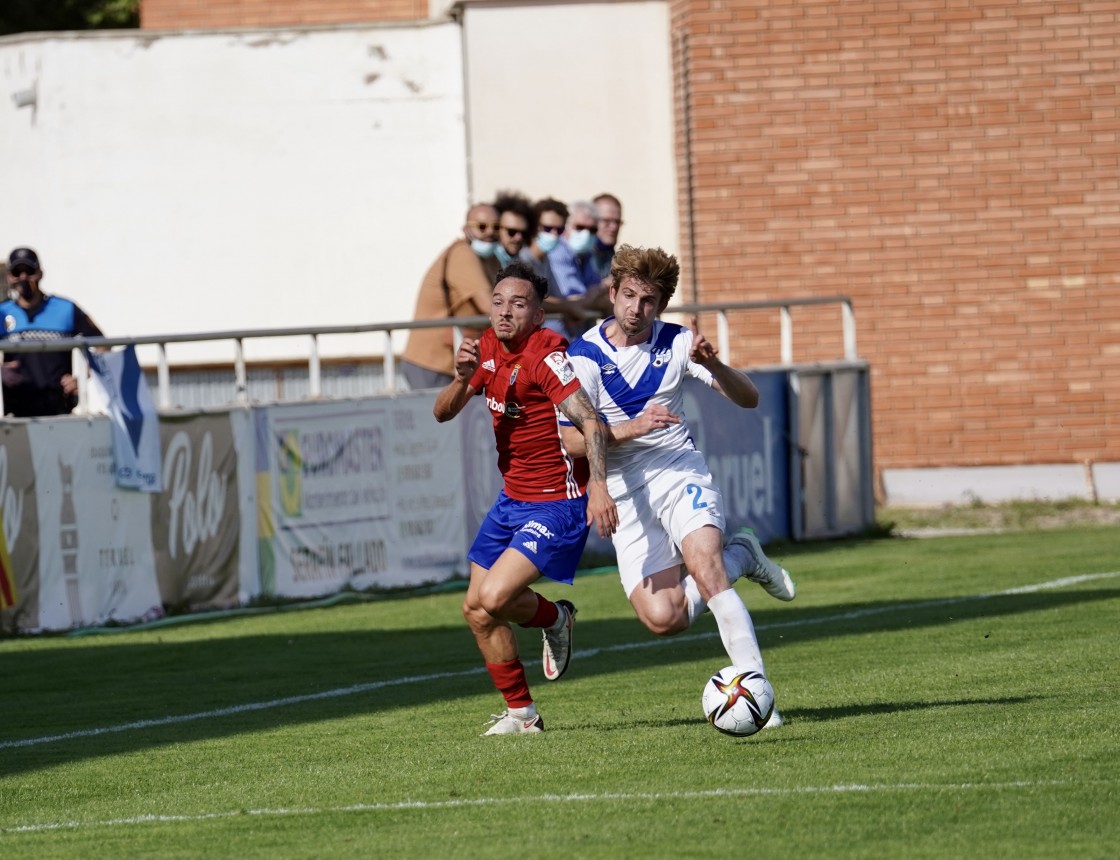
[654, 519]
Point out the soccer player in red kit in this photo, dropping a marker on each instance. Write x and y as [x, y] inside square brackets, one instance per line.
[539, 523]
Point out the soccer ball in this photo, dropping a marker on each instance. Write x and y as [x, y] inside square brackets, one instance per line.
[738, 702]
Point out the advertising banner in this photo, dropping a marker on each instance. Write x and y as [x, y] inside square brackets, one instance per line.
[359, 493]
[19, 518]
[95, 542]
[196, 520]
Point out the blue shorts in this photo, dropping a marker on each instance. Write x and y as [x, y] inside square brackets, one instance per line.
[550, 534]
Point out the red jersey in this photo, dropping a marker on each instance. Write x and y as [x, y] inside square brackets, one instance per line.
[522, 390]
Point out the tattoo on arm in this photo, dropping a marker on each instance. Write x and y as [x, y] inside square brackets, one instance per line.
[577, 408]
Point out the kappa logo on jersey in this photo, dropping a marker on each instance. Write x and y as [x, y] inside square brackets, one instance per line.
[558, 363]
[661, 356]
[489, 365]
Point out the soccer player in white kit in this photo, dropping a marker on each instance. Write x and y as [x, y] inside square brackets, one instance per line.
[670, 537]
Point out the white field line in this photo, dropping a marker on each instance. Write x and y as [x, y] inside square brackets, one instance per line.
[583, 797]
[583, 654]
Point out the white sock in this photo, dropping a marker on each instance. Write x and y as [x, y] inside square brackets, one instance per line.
[736, 630]
[526, 713]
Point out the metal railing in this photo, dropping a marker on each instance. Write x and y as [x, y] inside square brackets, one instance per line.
[314, 363]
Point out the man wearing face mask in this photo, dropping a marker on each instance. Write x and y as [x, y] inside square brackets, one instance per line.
[550, 217]
[515, 225]
[459, 283]
[573, 266]
[39, 383]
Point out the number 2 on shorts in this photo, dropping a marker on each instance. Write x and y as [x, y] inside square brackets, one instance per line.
[695, 490]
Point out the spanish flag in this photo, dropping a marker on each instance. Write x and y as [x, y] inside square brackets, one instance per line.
[7, 575]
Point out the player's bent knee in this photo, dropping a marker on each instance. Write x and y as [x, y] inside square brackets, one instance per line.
[665, 622]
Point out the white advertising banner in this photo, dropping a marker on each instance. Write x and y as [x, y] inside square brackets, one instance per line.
[96, 564]
[359, 494]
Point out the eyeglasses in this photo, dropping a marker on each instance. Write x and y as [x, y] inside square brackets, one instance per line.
[554, 230]
[616, 221]
[512, 231]
[590, 228]
[484, 226]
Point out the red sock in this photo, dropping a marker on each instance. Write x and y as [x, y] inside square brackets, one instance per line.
[546, 614]
[510, 680]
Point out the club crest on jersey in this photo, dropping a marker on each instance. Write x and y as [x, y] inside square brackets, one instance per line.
[558, 363]
[661, 356]
[513, 376]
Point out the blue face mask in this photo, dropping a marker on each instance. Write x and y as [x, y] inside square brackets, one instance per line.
[580, 241]
[504, 259]
[547, 241]
[483, 248]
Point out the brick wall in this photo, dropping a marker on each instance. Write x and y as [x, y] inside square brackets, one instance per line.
[207, 14]
[952, 165]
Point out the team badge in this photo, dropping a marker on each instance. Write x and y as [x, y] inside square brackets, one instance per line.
[661, 356]
[513, 376]
[558, 363]
[9, 323]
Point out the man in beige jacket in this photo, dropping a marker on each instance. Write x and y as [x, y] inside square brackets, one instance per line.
[458, 284]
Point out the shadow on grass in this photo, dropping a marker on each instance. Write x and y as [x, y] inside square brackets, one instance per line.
[121, 697]
[866, 709]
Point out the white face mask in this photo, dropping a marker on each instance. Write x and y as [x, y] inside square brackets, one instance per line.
[483, 248]
[547, 241]
[580, 241]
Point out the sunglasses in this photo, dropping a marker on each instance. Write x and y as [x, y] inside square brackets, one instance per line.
[512, 231]
[23, 270]
[484, 226]
[590, 228]
[556, 231]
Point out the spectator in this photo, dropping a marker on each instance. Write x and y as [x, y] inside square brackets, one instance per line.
[515, 225]
[459, 283]
[550, 217]
[610, 220]
[39, 383]
[580, 285]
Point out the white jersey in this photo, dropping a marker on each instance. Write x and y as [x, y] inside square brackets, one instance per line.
[622, 381]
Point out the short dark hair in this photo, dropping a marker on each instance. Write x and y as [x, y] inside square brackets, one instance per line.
[522, 271]
[518, 204]
[550, 204]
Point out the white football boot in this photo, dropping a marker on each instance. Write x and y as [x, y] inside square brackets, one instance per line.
[773, 577]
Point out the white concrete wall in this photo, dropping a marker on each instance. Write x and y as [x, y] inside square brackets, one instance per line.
[218, 180]
[570, 100]
[176, 182]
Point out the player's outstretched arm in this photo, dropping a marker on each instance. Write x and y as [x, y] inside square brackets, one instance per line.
[454, 397]
[600, 506]
[735, 386]
[654, 417]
